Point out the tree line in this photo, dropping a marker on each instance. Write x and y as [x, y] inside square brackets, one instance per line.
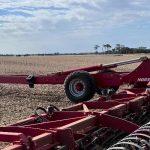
[120, 49]
[104, 49]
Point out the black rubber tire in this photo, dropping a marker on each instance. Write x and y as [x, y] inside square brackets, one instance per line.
[89, 86]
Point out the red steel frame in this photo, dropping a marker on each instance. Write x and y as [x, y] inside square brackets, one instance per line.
[103, 79]
[70, 124]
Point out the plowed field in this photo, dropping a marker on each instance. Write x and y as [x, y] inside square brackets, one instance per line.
[19, 101]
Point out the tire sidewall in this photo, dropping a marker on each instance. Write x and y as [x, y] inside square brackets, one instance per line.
[89, 86]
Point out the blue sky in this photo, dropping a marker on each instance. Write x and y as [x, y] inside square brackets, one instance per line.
[48, 26]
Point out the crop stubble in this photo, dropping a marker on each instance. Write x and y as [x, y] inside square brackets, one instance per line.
[19, 101]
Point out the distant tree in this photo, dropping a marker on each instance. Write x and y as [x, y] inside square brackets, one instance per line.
[104, 46]
[96, 48]
[107, 47]
[141, 47]
[113, 50]
[119, 48]
[57, 53]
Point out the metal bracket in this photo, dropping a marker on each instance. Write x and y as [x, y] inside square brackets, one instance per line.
[31, 80]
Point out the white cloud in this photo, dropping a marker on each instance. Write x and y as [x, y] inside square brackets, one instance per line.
[138, 2]
[40, 11]
[20, 19]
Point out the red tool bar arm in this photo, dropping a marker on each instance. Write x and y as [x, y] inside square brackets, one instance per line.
[10, 136]
[126, 62]
[117, 123]
[88, 69]
[101, 66]
[38, 79]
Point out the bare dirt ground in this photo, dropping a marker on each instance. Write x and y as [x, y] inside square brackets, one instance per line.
[19, 101]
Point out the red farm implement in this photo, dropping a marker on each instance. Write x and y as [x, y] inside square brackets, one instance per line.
[120, 123]
[116, 121]
[81, 84]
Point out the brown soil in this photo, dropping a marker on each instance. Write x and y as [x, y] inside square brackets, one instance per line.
[19, 101]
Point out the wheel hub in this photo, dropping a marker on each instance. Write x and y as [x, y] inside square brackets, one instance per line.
[77, 87]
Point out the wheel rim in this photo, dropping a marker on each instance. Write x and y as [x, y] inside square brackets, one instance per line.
[77, 87]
